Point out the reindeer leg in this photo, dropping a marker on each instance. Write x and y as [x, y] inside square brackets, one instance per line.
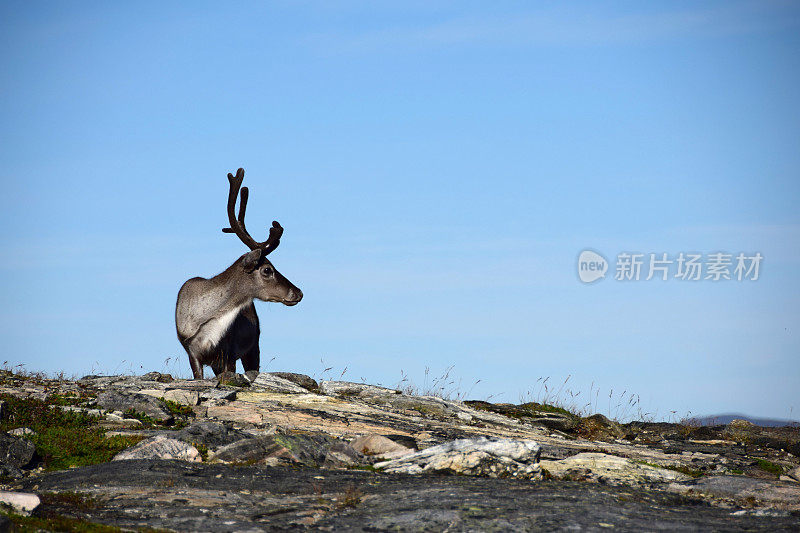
[197, 368]
[251, 359]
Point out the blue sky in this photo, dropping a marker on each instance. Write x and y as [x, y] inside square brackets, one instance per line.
[437, 168]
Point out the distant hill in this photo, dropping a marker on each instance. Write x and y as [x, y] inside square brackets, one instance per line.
[727, 417]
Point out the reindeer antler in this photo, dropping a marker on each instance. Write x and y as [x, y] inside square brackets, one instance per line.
[237, 224]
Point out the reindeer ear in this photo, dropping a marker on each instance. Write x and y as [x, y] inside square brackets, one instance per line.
[251, 260]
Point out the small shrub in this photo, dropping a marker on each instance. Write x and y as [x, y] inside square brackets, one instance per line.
[350, 498]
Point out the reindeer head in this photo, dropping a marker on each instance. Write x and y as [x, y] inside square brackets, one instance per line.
[258, 275]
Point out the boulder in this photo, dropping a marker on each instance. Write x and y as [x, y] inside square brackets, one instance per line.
[492, 457]
[380, 447]
[16, 452]
[141, 403]
[599, 427]
[21, 502]
[273, 383]
[158, 376]
[232, 379]
[160, 447]
[299, 379]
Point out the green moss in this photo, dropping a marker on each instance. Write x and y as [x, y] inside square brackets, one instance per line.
[62, 438]
[146, 421]
[65, 399]
[177, 409]
[25, 524]
[367, 468]
[769, 466]
[289, 444]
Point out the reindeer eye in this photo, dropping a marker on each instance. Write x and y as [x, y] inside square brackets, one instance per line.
[267, 271]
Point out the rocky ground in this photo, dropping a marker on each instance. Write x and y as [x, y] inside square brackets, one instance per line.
[281, 451]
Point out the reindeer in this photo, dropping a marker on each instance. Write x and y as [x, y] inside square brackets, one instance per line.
[215, 318]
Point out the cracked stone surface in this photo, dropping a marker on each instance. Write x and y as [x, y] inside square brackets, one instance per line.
[284, 451]
[198, 497]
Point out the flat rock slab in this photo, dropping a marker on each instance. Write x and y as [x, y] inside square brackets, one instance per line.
[200, 497]
[739, 489]
[273, 383]
[160, 447]
[611, 469]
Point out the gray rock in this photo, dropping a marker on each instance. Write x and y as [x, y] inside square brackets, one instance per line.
[555, 421]
[21, 432]
[181, 396]
[209, 433]
[599, 426]
[493, 457]
[741, 489]
[309, 450]
[299, 379]
[251, 450]
[12, 472]
[232, 379]
[158, 376]
[99, 382]
[123, 401]
[217, 394]
[16, 452]
[195, 384]
[347, 388]
[160, 447]
[273, 383]
[183, 496]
